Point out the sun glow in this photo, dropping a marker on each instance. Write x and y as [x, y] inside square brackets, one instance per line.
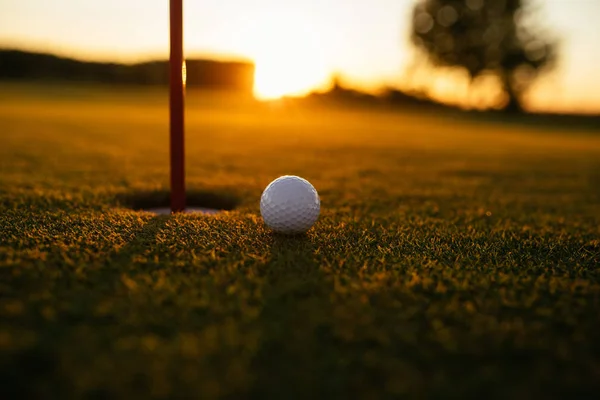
[288, 58]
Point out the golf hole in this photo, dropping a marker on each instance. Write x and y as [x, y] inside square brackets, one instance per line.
[159, 202]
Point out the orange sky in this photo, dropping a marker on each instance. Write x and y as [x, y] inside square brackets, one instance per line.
[296, 44]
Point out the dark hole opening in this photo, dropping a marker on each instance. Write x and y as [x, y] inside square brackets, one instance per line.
[146, 200]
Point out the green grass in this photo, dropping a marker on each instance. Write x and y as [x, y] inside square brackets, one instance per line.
[451, 259]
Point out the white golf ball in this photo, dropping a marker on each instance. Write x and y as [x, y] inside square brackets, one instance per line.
[290, 204]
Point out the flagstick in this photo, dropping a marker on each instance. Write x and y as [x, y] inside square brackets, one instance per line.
[176, 100]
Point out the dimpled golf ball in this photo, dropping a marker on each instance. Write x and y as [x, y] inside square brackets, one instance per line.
[290, 205]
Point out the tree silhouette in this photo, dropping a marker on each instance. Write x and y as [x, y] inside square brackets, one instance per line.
[484, 37]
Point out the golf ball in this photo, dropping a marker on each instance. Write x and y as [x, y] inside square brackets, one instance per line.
[290, 204]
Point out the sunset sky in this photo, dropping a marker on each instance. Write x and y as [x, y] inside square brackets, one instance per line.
[296, 44]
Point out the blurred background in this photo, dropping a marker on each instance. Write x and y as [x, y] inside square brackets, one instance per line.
[509, 55]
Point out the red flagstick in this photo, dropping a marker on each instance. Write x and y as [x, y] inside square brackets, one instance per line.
[176, 100]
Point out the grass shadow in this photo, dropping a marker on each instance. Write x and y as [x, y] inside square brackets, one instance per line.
[141, 240]
[141, 200]
[295, 321]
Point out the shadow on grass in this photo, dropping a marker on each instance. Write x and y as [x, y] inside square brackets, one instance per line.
[295, 320]
[142, 200]
[141, 240]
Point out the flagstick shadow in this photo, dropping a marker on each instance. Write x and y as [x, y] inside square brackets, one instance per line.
[120, 262]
